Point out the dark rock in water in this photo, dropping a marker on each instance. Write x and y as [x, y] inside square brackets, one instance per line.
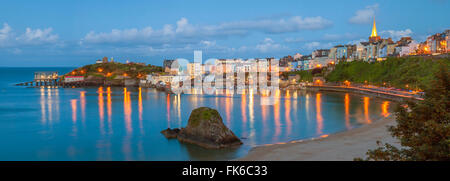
[170, 133]
[205, 128]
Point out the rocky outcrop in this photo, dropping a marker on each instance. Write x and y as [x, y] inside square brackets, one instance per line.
[170, 133]
[206, 129]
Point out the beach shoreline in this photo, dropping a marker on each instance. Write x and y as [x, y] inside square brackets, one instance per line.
[342, 146]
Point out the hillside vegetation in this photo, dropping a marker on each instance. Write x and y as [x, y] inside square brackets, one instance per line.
[305, 75]
[111, 70]
[407, 73]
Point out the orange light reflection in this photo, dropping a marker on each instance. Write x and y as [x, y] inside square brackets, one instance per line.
[319, 117]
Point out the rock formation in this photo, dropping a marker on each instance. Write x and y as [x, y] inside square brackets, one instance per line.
[205, 128]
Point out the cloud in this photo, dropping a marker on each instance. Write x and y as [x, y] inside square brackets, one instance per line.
[317, 45]
[268, 45]
[396, 35]
[184, 32]
[5, 34]
[8, 38]
[208, 43]
[364, 16]
[38, 36]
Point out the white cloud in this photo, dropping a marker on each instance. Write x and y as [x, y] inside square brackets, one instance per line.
[317, 45]
[396, 35]
[5, 34]
[364, 16]
[268, 45]
[8, 38]
[188, 33]
[208, 43]
[38, 36]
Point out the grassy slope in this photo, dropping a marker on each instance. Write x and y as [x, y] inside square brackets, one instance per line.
[305, 75]
[398, 72]
[115, 68]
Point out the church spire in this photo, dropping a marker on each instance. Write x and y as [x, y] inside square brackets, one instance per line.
[374, 29]
[374, 36]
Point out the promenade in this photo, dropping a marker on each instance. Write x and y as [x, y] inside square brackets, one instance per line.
[392, 94]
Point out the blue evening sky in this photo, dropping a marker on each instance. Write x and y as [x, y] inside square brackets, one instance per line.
[74, 33]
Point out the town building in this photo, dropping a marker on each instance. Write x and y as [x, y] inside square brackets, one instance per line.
[45, 75]
[297, 56]
[195, 69]
[70, 79]
[172, 67]
[405, 46]
[438, 43]
[376, 49]
[305, 62]
[343, 53]
[320, 58]
[320, 53]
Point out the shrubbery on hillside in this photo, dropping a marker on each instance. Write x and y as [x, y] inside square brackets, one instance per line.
[305, 75]
[423, 128]
[408, 72]
[112, 69]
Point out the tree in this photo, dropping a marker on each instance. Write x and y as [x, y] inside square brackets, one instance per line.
[105, 59]
[423, 128]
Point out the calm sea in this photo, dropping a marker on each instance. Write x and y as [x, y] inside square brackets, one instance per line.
[101, 123]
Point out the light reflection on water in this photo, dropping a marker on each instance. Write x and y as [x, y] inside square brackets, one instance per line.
[73, 124]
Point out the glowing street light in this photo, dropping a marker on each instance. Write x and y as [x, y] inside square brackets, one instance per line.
[347, 83]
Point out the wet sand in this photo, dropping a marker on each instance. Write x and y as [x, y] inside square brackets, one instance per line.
[343, 146]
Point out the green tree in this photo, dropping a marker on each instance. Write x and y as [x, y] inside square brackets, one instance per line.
[423, 128]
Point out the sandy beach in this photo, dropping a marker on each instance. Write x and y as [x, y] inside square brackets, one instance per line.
[343, 146]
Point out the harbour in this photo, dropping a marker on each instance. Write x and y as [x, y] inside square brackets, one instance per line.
[117, 123]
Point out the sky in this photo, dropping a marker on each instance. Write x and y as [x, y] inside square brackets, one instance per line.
[55, 33]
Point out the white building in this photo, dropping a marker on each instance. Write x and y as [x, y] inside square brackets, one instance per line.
[68, 79]
[298, 56]
[404, 50]
[195, 69]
